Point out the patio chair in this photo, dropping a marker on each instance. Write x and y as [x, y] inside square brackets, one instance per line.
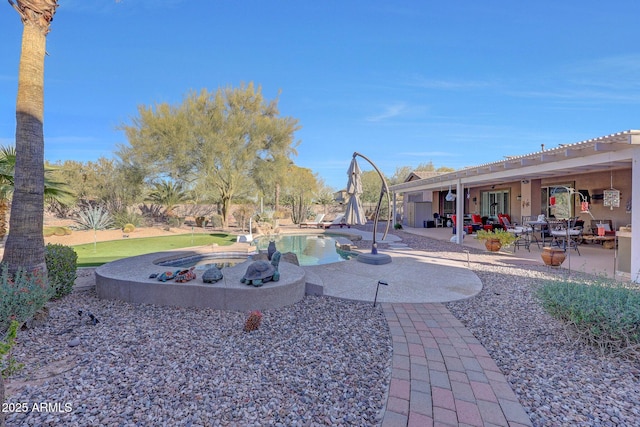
[563, 237]
[505, 221]
[602, 223]
[439, 221]
[476, 222]
[315, 223]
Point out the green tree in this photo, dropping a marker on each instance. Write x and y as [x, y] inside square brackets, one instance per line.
[371, 185]
[402, 172]
[54, 191]
[300, 186]
[111, 183]
[324, 195]
[168, 194]
[213, 141]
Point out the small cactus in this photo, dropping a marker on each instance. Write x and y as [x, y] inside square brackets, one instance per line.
[128, 228]
[253, 321]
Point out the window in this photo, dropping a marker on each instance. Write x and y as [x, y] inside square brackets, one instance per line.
[557, 201]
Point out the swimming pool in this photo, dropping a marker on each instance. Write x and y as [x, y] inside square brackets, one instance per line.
[311, 249]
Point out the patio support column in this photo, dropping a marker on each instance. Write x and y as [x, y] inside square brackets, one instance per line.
[459, 212]
[635, 212]
[394, 208]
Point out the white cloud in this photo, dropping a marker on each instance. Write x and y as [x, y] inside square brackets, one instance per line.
[389, 112]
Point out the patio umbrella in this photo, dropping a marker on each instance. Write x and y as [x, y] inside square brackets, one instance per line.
[354, 214]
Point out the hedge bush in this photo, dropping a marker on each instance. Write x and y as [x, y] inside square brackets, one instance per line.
[603, 314]
[62, 266]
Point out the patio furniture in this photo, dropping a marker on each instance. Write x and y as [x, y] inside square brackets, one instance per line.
[523, 237]
[467, 228]
[439, 221]
[476, 222]
[563, 237]
[607, 242]
[604, 224]
[339, 221]
[537, 225]
[315, 223]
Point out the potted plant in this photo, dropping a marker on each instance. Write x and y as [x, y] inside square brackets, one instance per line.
[494, 240]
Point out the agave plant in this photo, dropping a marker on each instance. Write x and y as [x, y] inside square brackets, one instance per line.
[94, 218]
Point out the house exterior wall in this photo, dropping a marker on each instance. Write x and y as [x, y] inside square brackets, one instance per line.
[595, 183]
[530, 191]
[411, 216]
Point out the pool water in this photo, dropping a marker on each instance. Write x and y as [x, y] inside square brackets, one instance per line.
[311, 249]
[204, 262]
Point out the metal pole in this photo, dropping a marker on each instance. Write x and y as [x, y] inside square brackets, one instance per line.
[383, 190]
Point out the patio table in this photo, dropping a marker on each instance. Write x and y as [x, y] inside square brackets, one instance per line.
[540, 226]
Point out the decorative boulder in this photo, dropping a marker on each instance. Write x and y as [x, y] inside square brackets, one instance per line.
[291, 258]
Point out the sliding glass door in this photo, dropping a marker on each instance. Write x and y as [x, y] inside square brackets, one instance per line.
[494, 202]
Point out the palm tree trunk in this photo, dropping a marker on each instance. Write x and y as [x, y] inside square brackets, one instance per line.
[25, 242]
[4, 204]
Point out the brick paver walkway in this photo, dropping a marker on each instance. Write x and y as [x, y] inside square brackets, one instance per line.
[442, 375]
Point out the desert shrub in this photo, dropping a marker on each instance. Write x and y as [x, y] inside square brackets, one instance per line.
[216, 221]
[253, 321]
[128, 228]
[123, 218]
[9, 364]
[56, 231]
[61, 231]
[606, 315]
[62, 267]
[175, 221]
[21, 296]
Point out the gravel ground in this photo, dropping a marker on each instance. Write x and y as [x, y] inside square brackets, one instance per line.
[559, 381]
[320, 362]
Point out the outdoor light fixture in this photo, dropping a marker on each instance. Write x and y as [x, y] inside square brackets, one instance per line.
[450, 197]
[380, 282]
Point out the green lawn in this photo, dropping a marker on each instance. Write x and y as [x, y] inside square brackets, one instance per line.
[103, 252]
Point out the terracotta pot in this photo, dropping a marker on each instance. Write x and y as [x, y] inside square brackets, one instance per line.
[553, 256]
[492, 245]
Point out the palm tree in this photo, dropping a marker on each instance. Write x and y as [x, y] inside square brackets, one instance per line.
[25, 243]
[53, 191]
[168, 194]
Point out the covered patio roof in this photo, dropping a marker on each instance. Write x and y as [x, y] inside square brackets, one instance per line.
[605, 153]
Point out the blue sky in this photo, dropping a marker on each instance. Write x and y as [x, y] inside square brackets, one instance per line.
[457, 83]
